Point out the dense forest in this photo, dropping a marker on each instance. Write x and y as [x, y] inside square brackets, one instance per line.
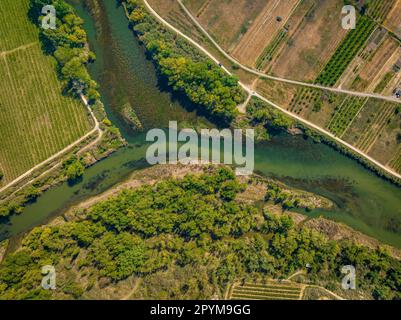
[188, 72]
[176, 226]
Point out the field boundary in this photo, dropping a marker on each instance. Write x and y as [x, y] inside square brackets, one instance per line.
[61, 152]
[256, 72]
[254, 93]
[23, 47]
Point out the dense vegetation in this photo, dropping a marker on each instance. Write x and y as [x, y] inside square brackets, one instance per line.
[194, 223]
[265, 118]
[68, 44]
[203, 82]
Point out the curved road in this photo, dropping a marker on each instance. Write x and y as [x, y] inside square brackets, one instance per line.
[263, 75]
[254, 93]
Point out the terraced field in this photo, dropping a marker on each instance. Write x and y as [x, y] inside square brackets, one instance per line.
[272, 290]
[36, 120]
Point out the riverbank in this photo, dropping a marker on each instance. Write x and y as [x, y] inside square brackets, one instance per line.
[255, 192]
[89, 149]
[362, 200]
[163, 228]
[309, 128]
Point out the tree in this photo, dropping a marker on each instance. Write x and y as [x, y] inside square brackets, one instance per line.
[73, 168]
[75, 171]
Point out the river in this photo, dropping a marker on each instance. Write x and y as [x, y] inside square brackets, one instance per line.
[363, 200]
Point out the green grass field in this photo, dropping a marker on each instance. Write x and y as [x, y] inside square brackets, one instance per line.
[36, 121]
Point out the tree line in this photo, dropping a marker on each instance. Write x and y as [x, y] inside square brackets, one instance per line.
[68, 44]
[186, 70]
[176, 224]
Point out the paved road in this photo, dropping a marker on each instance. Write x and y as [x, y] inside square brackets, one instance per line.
[254, 93]
[263, 75]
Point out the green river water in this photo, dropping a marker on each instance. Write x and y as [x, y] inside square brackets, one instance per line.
[363, 200]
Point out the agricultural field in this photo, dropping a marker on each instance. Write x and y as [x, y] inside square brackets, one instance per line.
[345, 53]
[379, 9]
[387, 144]
[316, 105]
[395, 162]
[173, 13]
[345, 114]
[376, 131]
[313, 41]
[270, 290]
[270, 21]
[36, 120]
[18, 31]
[227, 21]
[277, 92]
[371, 125]
[279, 41]
[393, 21]
[316, 293]
[372, 70]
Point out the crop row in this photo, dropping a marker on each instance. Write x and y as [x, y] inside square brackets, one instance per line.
[384, 82]
[15, 28]
[270, 284]
[395, 163]
[294, 294]
[346, 52]
[271, 49]
[270, 289]
[274, 296]
[345, 114]
[36, 120]
[304, 98]
[385, 111]
[379, 9]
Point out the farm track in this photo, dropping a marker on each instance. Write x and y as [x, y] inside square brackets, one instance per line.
[256, 72]
[203, 8]
[247, 89]
[289, 36]
[38, 123]
[60, 153]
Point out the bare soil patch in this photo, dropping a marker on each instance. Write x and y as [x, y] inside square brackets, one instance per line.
[308, 51]
[393, 21]
[273, 18]
[228, 20]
